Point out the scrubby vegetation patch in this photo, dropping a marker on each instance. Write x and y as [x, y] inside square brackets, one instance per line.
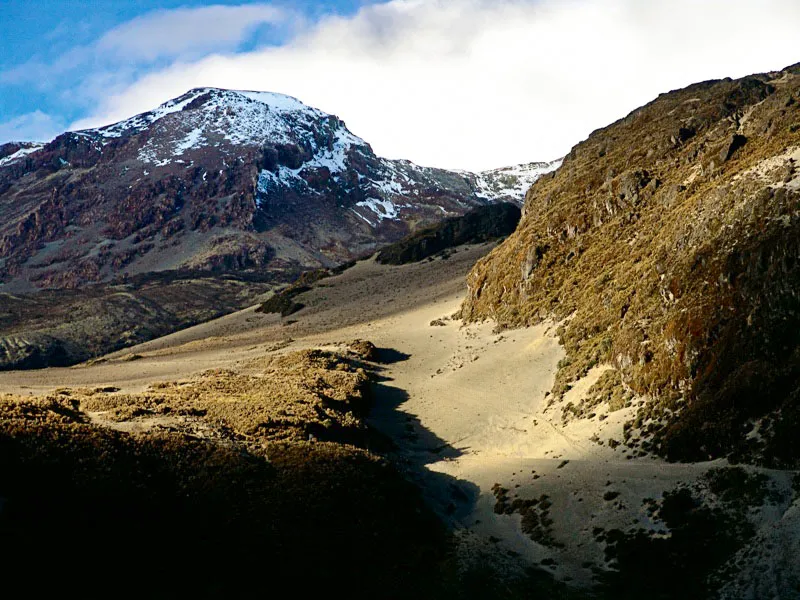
[702, 526]
[231, 484]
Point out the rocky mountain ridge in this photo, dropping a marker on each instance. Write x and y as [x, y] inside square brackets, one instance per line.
[510, 184]
[217, 196]
[217, 180]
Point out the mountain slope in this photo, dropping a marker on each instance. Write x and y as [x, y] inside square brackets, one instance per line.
[214, 180]
[667, 244]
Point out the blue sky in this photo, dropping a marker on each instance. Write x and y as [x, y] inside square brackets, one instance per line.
[471, 84]
[35, 34]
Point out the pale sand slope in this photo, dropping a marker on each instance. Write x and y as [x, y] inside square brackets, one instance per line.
[465, 406]
[347, 305]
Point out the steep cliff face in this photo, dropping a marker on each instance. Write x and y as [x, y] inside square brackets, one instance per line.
[668, 245]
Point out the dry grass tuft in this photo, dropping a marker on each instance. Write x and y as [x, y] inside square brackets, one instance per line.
[303, 395]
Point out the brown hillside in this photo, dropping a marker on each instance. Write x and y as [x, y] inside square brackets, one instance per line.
[669, 243]
[226, 485]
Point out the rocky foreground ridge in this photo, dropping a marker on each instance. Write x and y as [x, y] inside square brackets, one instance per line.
[667, 245]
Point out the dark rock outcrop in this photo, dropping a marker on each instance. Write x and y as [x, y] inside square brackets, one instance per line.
[479, 225]
[34, 351]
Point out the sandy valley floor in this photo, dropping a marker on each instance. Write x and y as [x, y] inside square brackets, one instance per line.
[466, 406]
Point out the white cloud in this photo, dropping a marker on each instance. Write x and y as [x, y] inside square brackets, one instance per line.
[477, 84]
[170, 33]
[35, 126]
[161, 35]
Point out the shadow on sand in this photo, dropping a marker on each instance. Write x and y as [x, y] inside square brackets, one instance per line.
[412, 447]
[388, 356]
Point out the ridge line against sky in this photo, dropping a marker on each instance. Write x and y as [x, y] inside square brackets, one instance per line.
[471, 84]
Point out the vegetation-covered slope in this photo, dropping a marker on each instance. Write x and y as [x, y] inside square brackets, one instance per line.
[668, 244]
[232, 484]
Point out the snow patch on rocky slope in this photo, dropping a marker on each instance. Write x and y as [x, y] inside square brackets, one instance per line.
[512, 182]
[27, 148]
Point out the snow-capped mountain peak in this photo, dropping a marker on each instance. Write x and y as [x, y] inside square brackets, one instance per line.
[221, 177]
[278, 103]
[217, 117]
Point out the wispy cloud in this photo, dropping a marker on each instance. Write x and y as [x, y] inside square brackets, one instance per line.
[157, 37]
[34, 126]
[186, 31]
[464, 83]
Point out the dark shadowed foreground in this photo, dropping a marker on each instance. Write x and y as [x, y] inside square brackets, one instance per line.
[230, 484]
